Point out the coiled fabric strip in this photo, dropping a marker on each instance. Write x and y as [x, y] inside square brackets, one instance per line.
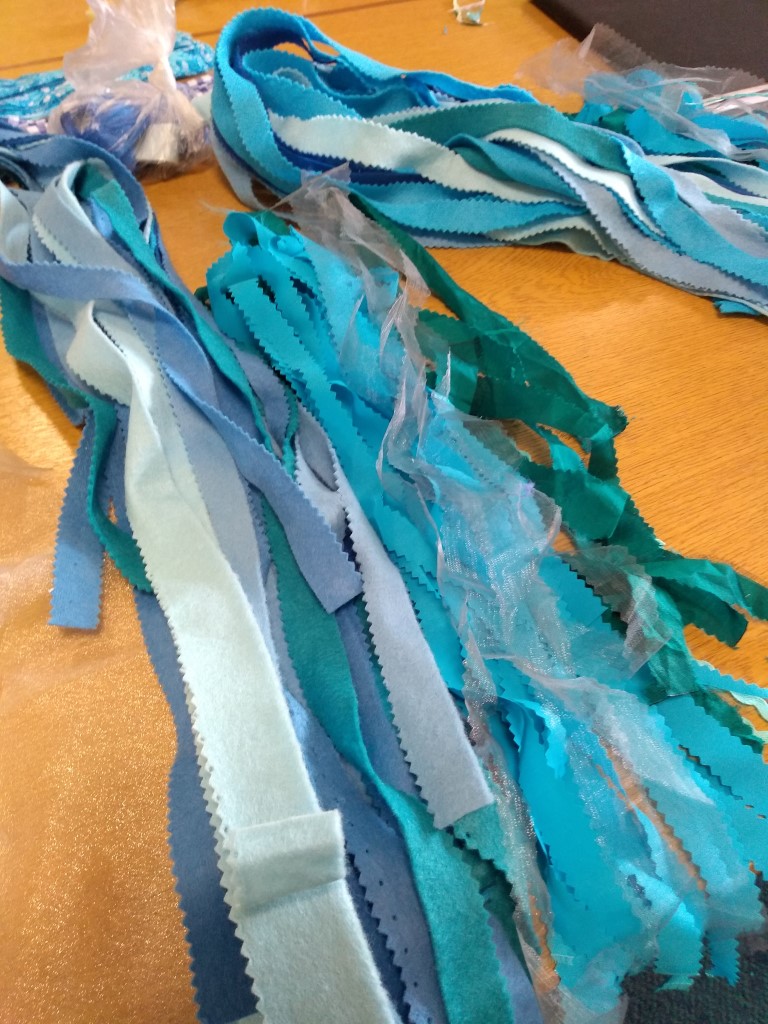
[456, 164]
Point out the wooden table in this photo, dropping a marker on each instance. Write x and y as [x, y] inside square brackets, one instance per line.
[90, 930]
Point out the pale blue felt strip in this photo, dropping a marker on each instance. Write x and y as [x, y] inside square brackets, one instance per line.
[430, 730]
[223, 991]
[225, 497]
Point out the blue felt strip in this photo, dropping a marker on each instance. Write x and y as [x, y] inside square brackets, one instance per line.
[76, 595]
[222, 988]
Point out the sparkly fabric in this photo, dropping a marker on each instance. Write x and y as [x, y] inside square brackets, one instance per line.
[90, 929]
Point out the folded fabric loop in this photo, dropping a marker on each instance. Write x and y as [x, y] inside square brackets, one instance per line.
[276, 859]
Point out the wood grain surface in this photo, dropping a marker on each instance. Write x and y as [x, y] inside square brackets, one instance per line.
[695, 456]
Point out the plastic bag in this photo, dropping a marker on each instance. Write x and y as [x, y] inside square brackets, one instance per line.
[144, 123]
[608, 69]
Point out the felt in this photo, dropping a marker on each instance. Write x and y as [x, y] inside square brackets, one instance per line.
[141, 337]
[554, 696]
[469, 976]
[223, 991]
[280, 858]
[430, 730]
[457, 164]
[175, 551]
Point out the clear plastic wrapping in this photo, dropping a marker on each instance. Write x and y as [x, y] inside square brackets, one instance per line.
[608, 69]
[145, 123]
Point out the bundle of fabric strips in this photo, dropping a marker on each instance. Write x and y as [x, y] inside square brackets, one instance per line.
[431, 760]
[458, 165]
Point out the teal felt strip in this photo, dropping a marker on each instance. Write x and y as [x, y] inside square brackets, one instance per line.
[469, 976]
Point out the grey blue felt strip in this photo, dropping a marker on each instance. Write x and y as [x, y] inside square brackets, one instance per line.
[223, 991]
[430, 730]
